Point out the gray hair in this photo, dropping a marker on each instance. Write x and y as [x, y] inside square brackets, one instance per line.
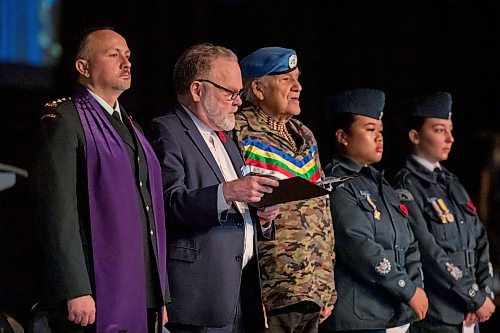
[195, 63]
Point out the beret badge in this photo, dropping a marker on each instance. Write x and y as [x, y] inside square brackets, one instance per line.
[292, 61]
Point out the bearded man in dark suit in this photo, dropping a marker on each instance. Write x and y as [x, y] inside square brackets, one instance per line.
[212, 261]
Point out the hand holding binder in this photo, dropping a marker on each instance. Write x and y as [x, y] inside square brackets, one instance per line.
[297, 188]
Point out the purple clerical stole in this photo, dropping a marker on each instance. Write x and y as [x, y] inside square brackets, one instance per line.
[116, 227]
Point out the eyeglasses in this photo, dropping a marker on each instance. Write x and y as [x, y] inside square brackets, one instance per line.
[233, 93]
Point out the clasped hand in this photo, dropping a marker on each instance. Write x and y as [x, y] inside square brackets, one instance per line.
[248, 189]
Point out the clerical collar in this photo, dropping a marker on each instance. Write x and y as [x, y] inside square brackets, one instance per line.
[426, 164]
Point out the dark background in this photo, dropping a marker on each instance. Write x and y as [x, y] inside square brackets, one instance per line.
[404, 48]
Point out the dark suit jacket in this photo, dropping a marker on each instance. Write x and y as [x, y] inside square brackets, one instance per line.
[62, 211]
[204, 251]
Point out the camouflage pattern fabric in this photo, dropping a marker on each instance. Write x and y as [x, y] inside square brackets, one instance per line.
[298, 265]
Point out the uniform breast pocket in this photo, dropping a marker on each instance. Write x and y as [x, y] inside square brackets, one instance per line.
[373, 211]
[365, 207]
[470, 220]
[441, 229]
[401, 223]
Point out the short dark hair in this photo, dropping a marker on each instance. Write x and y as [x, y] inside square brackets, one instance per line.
[195, 63]
[81, 49]
[340, 121]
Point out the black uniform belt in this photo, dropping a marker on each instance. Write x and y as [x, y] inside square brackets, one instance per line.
[397, 256]
[465, 258]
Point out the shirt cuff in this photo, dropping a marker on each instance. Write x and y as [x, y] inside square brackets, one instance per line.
[222, 205]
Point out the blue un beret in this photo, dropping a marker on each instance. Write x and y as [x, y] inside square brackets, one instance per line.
[268, 61]
[364, 102]
[435, 105]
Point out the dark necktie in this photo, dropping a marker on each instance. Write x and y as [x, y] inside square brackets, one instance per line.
[440, 178]
[116, 115]
[120, 123]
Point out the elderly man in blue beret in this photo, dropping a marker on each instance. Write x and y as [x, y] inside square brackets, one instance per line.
[296, 268]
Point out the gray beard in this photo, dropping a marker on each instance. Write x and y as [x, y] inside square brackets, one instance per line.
[216, 118]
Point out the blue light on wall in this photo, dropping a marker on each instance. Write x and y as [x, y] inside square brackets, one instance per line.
[28, 32]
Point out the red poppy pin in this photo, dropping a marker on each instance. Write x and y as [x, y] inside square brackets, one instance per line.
[404, 209]
[222, 137]
[471, 206]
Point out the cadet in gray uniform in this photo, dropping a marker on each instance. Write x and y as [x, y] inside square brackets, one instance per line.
[455, 258]
[378, 270]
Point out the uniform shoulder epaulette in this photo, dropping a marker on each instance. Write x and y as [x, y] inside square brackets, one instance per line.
[51, 106]
[404, 176]
[333, 167]
[56, 102]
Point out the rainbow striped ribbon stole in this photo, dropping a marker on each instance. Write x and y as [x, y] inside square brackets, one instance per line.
[266, 160]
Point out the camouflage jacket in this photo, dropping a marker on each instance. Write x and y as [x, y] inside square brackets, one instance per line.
[298, 265]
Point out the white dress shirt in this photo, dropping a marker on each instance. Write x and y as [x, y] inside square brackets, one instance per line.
[109, 109]
[426, 164]
[227, 169]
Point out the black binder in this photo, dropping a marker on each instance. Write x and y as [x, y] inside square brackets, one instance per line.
[298, 188]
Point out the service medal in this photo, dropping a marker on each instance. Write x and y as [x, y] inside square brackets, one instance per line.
[449, 216]
[376, 212]
[438, 210]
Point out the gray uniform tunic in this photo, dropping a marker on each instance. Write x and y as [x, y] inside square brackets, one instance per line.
[378, 262]
[453, 242]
